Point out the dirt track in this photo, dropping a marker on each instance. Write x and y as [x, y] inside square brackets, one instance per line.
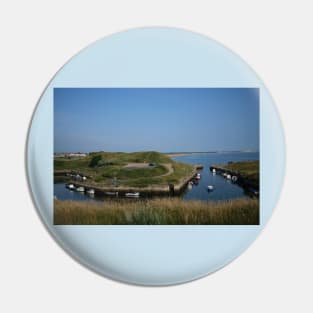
[168, 166]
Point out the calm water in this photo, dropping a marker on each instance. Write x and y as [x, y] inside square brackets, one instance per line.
[63, 193]
[223, 189]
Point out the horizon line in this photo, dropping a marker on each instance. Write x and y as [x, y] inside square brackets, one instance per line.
[167, 152]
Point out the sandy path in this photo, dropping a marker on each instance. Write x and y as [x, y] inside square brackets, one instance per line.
[137, 165]
[169, 168]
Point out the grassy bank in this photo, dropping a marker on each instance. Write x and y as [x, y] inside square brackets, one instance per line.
[169, 211]
[102, 167]
[248, 169]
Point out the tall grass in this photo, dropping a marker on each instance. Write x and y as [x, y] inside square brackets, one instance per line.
[159, 211]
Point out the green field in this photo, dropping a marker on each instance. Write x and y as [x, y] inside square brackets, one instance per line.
[159, 211]
[101, 168]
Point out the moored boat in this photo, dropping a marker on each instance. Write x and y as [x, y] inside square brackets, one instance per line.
[210, 188]
[70, 186]
[132, 194]
[80, 189]
[91, 191]
[190, 184]
[111, 193]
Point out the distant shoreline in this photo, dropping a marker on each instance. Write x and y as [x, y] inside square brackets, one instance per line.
[178, 154]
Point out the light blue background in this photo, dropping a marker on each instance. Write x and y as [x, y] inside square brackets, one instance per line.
[154, 57]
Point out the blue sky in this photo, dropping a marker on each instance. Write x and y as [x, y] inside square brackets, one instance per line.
[160, 119]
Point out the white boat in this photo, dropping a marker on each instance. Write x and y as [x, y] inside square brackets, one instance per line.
[132, 194]
[228, 176]
[80, 189]
[210, 187]
[70, 186]
[234, 178]
[111, 193]
[214, 170]
[190, 185]
[91, 191]
[198, 176]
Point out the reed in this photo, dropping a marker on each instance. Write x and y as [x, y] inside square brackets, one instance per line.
[158, 211]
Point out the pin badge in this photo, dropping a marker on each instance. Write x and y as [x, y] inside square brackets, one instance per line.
[155, 156]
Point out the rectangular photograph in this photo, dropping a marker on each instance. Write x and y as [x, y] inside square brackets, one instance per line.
[156, 156]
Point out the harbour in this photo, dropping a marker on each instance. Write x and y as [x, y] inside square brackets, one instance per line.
[210, 185]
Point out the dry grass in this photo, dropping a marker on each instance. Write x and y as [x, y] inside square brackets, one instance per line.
[161, 211]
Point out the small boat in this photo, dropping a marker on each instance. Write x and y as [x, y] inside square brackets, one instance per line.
[91, 191]
[198, 176]
[190, 184]
[111, 193]
[70, 186]
[80, 189]
[214, 170]
[234, 178]
[132, 194]
[196, 182]
[210, 188]
[228, 176]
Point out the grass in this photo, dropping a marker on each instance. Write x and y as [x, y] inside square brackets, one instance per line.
[139, 172]
[112, 165]
[158, 211]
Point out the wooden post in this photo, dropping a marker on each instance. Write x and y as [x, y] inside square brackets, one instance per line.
[171, 189]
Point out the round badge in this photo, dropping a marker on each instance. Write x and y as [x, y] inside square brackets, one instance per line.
[155, 156]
